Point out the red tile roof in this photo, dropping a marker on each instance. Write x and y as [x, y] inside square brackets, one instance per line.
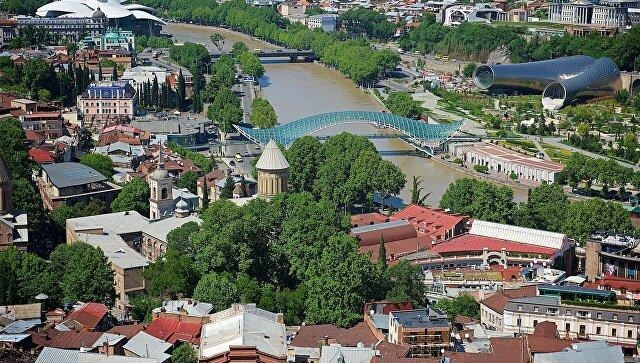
[546, 329]
[509, 350]
[172, 330]
[310, 335]
[74, 340]
[497, 301]
[89, 315]
[432, 221]
[390, 234]
[127, 330]
[41, 156]
[542, 344]
[34, 136]
[365, 219]
[473, 243]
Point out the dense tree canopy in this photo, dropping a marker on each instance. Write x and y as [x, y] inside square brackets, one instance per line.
[262, 114]
[188, 180]
[361, 21]
[464, 305]
[586, 217]
[133, 196]
[479, 199]
[545, 208]
[402, 104]
[100, 163]
[304, 160]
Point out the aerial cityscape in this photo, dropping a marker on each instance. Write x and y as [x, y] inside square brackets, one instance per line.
[271, 181]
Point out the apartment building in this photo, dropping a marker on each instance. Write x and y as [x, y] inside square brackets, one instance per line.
[425, 331]
[108, 100]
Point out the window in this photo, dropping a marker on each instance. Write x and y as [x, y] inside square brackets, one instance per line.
[614, 332]
[567, 326]
[630, 319]
[535, 309]
[568, 312]
[535, 322]
[629, 333]
[519, 307]
[553, 311]
[519, 322]
[598, 330]
[599, 315]
[615, 316]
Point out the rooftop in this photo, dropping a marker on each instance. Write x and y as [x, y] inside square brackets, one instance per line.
[55, 355]
[497, 301]
[191, 307]
[505, 154]
[432, 221]
[145, 345]
[115, 249]
[518, 234]
[172, 330]
[311, 335]
[111, 223]
[475, 243]
[272, 158]
[160, 229]
[70, 174]
[420, 318]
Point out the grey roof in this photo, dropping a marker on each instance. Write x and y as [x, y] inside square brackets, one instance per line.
[133, 150]
[272, 158]
[380, 321]
[574, 289]
[588, 353]
[540, 299]
[420, 318]
[111, 223]
[378, 226]
[420, 255]
[335, 353]
[108, 338]
[13, 338]
[243, 325]
[160, 229]
[145, 345]
[56, 355]
[115, 249]
[192, 307]
[21, 326]
[64, 175]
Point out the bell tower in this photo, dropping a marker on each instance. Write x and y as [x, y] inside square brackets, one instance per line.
[161, 199]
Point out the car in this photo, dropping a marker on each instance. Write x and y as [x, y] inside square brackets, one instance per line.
[257, 147]
[232, 163]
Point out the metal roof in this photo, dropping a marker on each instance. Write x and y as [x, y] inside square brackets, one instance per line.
[576, 290]
[13, 338]
[145, 345]
[70, 174]
[112, 9]
[55, 355]
[115, 249]
[518, 234]
[586, 354]
[160, 229]
[420, 318]
[272, 158]
[379, 226]
[21, 326]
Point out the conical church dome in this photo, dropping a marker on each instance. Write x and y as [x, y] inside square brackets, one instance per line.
[272, 158]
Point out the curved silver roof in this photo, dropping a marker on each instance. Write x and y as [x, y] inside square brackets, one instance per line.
[272, 158]
[112, 9]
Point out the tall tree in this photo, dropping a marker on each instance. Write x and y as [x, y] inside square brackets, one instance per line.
[100, 163]
[114, 74]
[133, 196]
[546, 208]
[382, 254]
[417, 197]
[227, 189]
[262, 114]
[99, 71]
[188, 180]
[479, 199]
[304, 160]
[181, 91]
[218, 290]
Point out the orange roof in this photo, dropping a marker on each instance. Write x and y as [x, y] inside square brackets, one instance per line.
[497, 301]
[474, 243]
[432, 221]
[398, 248]
[360, 220]
[616, 283]
[41, 156]
[310, 335]
[172, 330]
[89, 315]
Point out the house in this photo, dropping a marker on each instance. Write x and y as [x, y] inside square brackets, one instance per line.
[50, 123]
[120, 153]
[145, 345]
[173, 330]
[324, 334]
[154, 235]
[184, 309]
[492, 307]
[436, 223]
[70, 183]
[241, 333]
[425, 331]
[55, 355]
[129, 331]
[89, 317]
[208, 182]
[108, 101]
[598, 351]
[399, 236]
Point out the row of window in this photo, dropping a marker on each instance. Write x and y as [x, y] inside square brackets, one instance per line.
[108, 111]
[579, 313]
[104, 104]
[582, 329]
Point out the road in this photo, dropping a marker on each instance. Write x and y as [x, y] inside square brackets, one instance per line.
[246, 94]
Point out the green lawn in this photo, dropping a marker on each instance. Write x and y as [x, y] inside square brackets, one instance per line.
[559, 155]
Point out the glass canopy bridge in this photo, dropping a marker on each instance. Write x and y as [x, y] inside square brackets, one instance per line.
[425, 137]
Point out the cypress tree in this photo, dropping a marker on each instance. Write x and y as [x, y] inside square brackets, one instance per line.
[99, 72]
[382, 254]
[154, 92]
[114, 75]
[180, 91]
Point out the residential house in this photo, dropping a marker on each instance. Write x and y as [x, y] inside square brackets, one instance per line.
[50, 123]
[185, 310]
[122, 154]
[89, 317]
[55, 355]
[174, 331]
[145, 345]
[425, 331]
[492, 307]
[108, 101]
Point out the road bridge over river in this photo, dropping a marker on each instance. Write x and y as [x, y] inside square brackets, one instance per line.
[292, 54]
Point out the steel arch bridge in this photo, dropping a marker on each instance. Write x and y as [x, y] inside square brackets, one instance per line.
[286, 134]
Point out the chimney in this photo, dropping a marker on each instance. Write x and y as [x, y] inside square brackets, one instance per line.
[105, 347]
[325, 341]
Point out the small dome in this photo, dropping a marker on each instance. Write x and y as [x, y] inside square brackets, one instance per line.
[182, 206]
[5, 177]
[159, 174]
[272, 158]
[98, 14]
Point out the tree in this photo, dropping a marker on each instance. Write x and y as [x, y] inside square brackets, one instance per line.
[142, 306]
[250, 64]
[388, 180]
[181, 91]
[262, 114]
[218, 40]
[340, 284]
[545, 209]
[170, 275]
[416, 192]
[304, 159]
[586, 217]
[82, 209]
[464, 305]
[99, 72]
[188, 180]
[133, 196]
[238, 47]
[44, 95]
[100, 163]
[84, 274]
[402, 104]
[227, 189]
[216, 289]
[114, 73]
[406, 283]
[467, 71]
[12, 138]
[479, 199]
[382, 255]
[185, 353]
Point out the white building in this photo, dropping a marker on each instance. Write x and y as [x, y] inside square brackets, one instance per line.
[141, 74]
[606, 13]
[328, 22]
[484, 12]
[161, 201]
[501, 160]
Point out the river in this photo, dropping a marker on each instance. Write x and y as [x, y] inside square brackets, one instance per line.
[298, 90]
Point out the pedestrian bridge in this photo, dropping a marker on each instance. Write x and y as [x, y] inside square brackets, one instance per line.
[418, 133]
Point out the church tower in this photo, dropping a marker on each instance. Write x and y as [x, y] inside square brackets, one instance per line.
[273, 171]
[161, 200]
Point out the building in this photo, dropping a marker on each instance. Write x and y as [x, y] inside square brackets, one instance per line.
[56, 355]
[492, 307]
[241, 333]
[484, 12]
[612, 256]
[436, 223]
[489, 243]
[133, 17]
[500, 160]
[273, 171]
[13, 224]
[291, 9]
[173, 330]
[51, 124]
[148, 346]
[106, 101]
[425, 331]
[68, 28]
[605, 13]
[326, 22]
[400, 239]
[140, 75]
[154, 235]
[122, 154]
[598, 351]
[560, 81]
[206, 186]
[184, 310]
[70, 183]
[575, 320]
[161, 200]
[89, 317]
[111, 40]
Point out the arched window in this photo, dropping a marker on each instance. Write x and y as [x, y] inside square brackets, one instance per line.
[154, 192]
[165, 194]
